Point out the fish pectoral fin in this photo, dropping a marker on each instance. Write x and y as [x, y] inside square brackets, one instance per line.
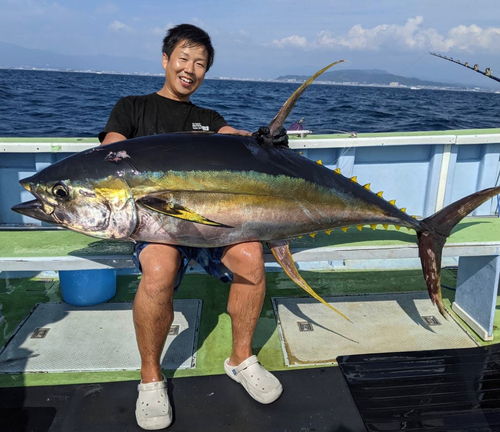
[281, 252]
[162, 203]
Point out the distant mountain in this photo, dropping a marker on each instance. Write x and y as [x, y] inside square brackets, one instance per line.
[368, 76]
[15, 56]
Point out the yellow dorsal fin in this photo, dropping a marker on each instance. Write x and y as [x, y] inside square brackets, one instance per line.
[397, 227]
[313, 235]
[403, 209]
[354, 179]
[337, 170]
[328, 231]
[380, 194]
[392, 202]
[360, 227]
[373, 226]
[344, 229]
[319, 162]
[367, 186]
[385, 226]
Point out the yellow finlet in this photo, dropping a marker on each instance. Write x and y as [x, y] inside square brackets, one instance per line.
[397, 227]
[367, 186]
[313, 235]
[319, 162]
[328, 231]
[344, 229]
[300, 237]
[359, 227]
[354, 179]
[385, 226]
[337, 171]
[380, 194]
[301, 152]
[403, 209]
[392, 202]
[373, 227]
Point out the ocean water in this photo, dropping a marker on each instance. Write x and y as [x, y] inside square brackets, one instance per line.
[60, 104]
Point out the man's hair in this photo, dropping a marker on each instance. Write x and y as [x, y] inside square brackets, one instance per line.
[193, 36]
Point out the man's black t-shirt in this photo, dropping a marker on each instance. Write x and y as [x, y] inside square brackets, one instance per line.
[137, 116]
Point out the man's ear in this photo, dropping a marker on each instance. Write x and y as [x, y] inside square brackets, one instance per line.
[164, 60]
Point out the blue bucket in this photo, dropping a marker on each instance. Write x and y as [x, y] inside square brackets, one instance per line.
[87, 287]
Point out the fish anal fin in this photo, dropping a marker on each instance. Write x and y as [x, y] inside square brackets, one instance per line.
[281, 252]
[164, 204]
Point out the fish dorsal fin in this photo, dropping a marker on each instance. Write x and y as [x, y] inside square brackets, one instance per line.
[163, 203]
[281, 252]
[280, 118]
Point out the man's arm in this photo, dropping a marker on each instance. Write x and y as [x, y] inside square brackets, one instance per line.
[112, 137]
[232, 131]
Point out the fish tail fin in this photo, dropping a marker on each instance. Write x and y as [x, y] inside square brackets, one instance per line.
[432, 237]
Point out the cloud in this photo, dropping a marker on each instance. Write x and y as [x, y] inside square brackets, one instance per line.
[290, 41]
[411, 36]
[119, 26]
[161, 31]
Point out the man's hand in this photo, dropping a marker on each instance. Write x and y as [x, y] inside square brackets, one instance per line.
[279, 139]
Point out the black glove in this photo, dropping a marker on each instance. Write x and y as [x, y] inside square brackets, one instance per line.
[279, 139]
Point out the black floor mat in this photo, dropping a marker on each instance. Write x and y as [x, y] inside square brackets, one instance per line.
[454, 390]
[313, 400]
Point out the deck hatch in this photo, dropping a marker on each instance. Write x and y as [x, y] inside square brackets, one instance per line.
[380, 323]
[95, 338]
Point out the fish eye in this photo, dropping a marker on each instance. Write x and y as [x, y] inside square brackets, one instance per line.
[61, 191]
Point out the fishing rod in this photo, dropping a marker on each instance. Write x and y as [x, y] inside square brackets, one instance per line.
[487, 72]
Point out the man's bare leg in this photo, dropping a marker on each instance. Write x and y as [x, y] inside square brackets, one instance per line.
[153, 306]
[246, 296]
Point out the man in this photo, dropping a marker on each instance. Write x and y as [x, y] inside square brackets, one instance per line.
[187, 56]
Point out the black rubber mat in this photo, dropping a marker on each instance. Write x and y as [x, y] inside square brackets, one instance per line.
[313, 400]
[454, 390]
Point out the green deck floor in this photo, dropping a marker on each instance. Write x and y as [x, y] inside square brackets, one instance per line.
[19, 296]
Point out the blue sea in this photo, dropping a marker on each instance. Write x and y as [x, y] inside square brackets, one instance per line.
[63, 104]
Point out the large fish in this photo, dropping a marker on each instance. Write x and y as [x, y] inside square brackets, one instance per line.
[212, 190]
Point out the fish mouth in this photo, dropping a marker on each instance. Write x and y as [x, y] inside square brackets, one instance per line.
[35, 209]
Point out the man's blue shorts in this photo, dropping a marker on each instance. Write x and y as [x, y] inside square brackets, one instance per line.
[209, 258]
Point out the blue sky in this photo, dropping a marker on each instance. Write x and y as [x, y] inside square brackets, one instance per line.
[264, 39]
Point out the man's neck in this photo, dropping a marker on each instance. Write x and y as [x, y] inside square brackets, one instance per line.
[167, 94]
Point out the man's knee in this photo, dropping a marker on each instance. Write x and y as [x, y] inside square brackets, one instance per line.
[246, 260]
[160, 264]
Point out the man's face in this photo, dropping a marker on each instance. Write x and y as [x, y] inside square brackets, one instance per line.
[184, 70]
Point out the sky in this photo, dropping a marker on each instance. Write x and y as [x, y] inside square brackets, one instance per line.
[265, 39]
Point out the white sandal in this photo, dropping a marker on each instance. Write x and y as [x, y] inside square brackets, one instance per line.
[153, 411]
[262, 385]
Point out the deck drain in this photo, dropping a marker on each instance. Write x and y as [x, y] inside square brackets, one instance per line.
[40, 333]
[305, 326]
[174, 330]
[431, 320]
